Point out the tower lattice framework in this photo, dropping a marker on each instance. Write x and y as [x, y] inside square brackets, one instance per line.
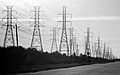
[36, 37]
[54, 41]
[9, 36]
[71, 41]
[64, 48]
[87, 43]
[99, 52]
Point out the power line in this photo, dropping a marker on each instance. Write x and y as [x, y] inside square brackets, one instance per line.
[24, 37]
[25, 31]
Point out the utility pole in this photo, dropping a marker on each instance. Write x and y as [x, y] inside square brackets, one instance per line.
[16, 34]
[54, 42]
[9, 37]
[36, 37]
[87, 43]
[64, 48]
[71, 41]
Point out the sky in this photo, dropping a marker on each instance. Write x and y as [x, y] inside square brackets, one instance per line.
[102, 16]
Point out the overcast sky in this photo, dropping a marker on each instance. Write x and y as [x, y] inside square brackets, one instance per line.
[102, 16]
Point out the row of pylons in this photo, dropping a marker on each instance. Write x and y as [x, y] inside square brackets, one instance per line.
[68, 47]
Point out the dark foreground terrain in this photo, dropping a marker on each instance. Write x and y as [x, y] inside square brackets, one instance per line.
[20, 60]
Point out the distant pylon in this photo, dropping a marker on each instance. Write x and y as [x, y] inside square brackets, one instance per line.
[36, 37]
[77, 50]
[74, 45]
[104, 50]
[54, 42]
[107, 52]
[87, 43]
[71, 41]
[110, 54]
[99, 48]
[64, 48]
[94, 49]
[9, 37]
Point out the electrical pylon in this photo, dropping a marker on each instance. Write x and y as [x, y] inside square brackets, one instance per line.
[110, 54]
[36, 37]
[74, 45]
[77, 50]
[9, 37]
[71, 41]
[104, 50]
[54, 42]
[94, 49]
[87, 43]
[107, 52]
[64, 48]
[99, 53]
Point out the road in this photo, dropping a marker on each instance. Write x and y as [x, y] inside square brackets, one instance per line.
[95, 69]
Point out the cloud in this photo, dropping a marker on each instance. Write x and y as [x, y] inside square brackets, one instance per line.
[109, 18]
[116, 40]
[97, 18]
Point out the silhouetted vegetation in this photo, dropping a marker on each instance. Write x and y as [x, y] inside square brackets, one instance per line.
[19, 59]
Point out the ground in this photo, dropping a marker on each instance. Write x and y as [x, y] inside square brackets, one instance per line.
[95, 69]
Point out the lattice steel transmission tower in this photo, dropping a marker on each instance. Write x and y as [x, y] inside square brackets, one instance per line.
[9, 37]
[104, 50]
[110, 54]
[54, 41]
[107, 52]
[94, 49]
[71, 41]
[74, 45]
[87, 43]
[64, 48]
[99, 52]
[77, 50]
[36, 37]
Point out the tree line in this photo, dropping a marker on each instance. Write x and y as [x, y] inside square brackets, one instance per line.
[15, 59]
